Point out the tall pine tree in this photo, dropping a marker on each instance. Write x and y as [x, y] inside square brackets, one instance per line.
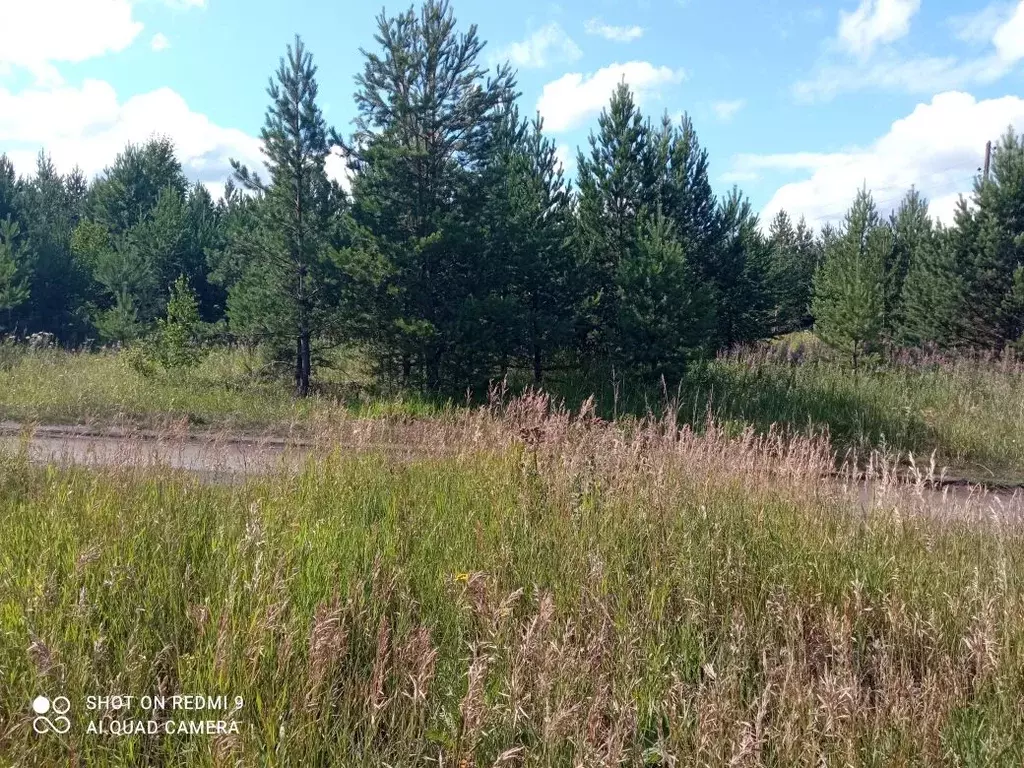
[530, 261]
[617, 190]
[912, 230]
[14, 288]
[426, 116]
[849, 285]
[992, 310]
[794, 256]
[285, 294]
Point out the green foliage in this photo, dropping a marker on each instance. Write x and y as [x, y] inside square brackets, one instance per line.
[120, 323]
[128, 191]
[179, 336]
[933, 291]
[616, 192]
[529, 262]
[419, 197]
[460, 254]
[991, 318]
[912, 233]
[850, 283]
[10, 190]
[740, 274]
[286, 295]
[794, 255]
[50, 207]
[14, 289]
[665, 319]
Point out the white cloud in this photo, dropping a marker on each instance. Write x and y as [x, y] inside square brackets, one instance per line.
[88, 126]
[565, 156]
[738, 177]
[37, 33]
[981, 26]
[574, 97]
[548, 45]
[337, 169]
[727, 110]
[889, 71]
[159, 42]
[937, 148]
[874, 22]
[919, 75]
[1009, 38]
[610, 32]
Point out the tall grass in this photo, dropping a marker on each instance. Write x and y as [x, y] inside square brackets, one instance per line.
[230, 389]
[557, 591]
[969, 411]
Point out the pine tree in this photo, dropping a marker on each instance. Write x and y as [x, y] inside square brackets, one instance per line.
[285, 293]
[14, 289]
[130, 288]
[741, 275]
[617, 190]
[10, 190]
[992, 318]
[687, 199]
[849, 285]
[932, 293]
[179, 334]
[129, 189]
[912, 230]
[427, 112]
[58, 287]
[686, 196]
[665, 318]
[794, 256]
[530, 259]
[202, 233]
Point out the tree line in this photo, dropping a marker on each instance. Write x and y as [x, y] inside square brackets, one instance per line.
[461, 253]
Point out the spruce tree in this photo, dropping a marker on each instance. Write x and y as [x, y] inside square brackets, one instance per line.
[285, 295]
[849, 285]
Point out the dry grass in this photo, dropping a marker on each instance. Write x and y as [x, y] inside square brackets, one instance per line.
[549, 590]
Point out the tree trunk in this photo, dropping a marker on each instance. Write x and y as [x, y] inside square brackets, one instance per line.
[304, 363]
[538, 370]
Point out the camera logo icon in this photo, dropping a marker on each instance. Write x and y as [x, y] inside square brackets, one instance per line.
[59, 707]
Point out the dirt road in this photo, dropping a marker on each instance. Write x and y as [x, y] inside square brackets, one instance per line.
[231, 458]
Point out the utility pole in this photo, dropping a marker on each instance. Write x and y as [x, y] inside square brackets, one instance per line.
[988, 159]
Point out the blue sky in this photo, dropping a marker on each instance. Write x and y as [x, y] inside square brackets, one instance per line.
[799, 103]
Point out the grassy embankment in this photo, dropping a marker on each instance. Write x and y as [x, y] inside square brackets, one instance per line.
[969, 412]
[591, 598]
